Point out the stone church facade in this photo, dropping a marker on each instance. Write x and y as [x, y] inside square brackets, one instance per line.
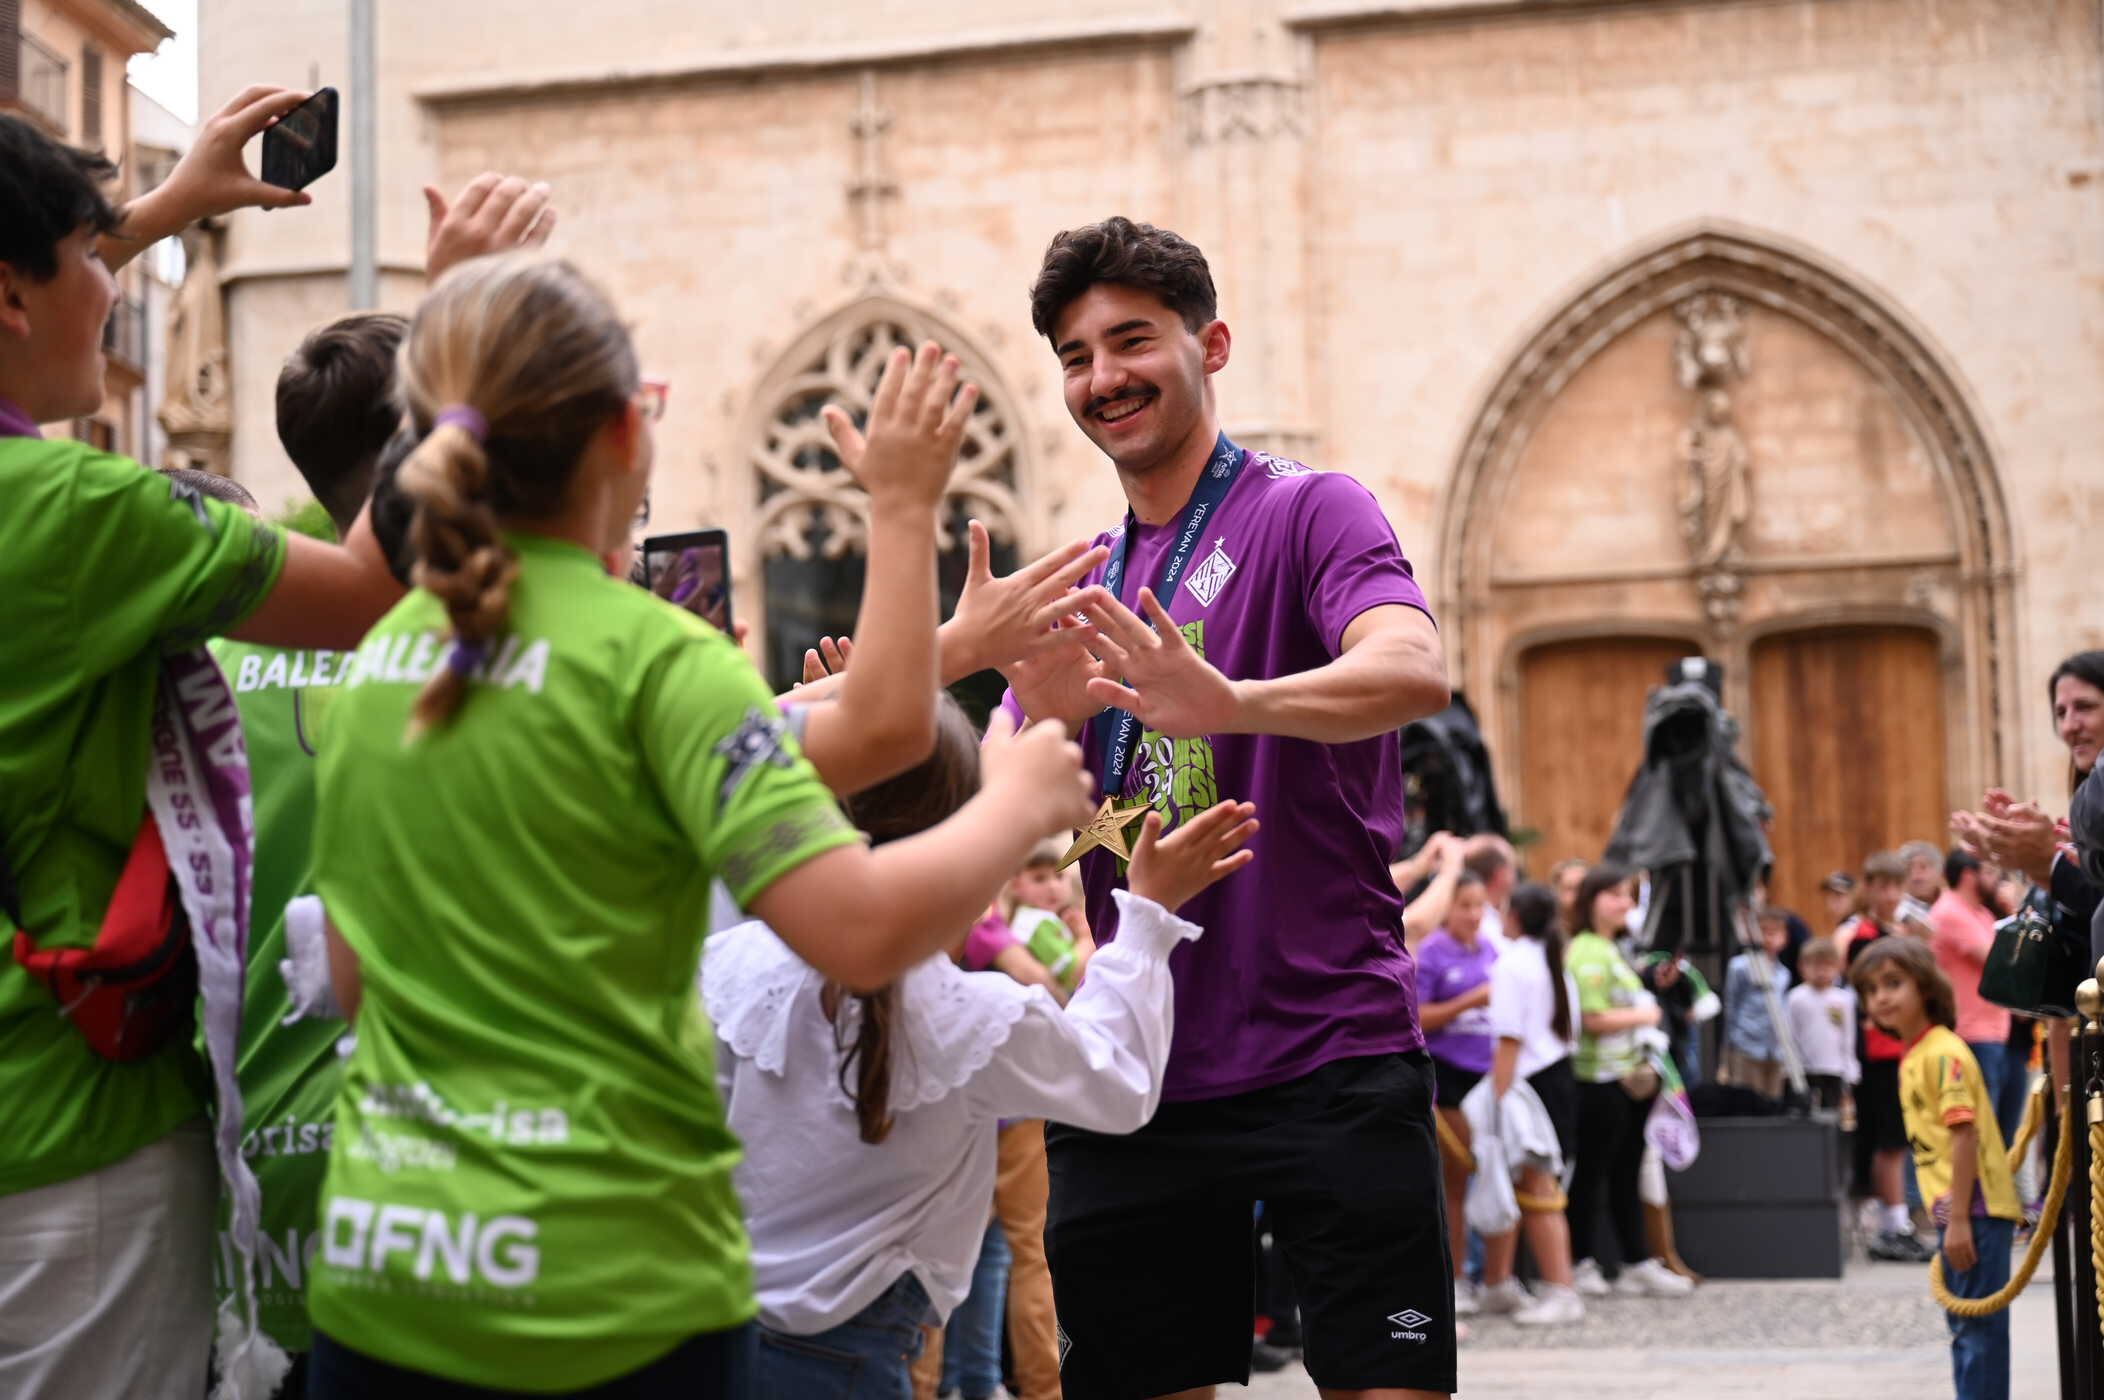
[1760, 329]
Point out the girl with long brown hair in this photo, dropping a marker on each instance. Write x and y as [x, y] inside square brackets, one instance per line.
[868, 1120]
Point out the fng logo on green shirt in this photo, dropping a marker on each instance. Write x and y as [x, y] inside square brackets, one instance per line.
[362, 1234]
[413, 657]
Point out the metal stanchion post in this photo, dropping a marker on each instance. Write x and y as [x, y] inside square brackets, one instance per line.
[2064, 1307]
[2089, 1084]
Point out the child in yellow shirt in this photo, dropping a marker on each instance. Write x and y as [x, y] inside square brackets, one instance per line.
[1958, 1155]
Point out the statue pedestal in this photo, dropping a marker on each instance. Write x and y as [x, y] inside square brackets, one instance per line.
[1763, 1200]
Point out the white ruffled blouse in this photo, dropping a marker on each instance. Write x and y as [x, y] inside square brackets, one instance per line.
[836, 1221]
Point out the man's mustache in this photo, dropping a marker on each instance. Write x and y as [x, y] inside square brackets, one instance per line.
[1136, 392]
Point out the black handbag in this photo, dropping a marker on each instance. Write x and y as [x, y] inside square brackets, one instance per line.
[2031, 969]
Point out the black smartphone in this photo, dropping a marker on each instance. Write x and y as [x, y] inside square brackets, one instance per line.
[692, 570]
[301, 148]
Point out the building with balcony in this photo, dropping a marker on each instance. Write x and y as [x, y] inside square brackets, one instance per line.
[62, 66]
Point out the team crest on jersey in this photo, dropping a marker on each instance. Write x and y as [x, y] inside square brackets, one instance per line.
[757, 741]
[1279, 468]
[1210, 574]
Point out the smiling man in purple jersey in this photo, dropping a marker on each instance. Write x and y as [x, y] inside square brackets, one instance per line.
[1256, 634]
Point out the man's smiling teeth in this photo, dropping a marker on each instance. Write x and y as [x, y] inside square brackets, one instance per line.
[1124, 408]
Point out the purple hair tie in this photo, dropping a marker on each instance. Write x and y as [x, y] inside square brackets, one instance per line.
[463, 657]
[466, 419]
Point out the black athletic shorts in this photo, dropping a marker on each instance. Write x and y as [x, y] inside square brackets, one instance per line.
[1451, 1083]
[1557, 1088]
[1148, 1236]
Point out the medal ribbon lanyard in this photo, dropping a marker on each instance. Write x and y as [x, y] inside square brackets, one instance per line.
[1121, 730]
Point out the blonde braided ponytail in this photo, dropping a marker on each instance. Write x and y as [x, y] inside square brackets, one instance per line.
[460, 556]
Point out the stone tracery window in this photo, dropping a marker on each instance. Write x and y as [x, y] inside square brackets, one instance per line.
[812, 522]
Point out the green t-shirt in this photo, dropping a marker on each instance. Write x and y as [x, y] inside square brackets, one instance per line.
[289, 1074]
[1049, 940]
[105, 568]
[1606, 982]
[530, 1186]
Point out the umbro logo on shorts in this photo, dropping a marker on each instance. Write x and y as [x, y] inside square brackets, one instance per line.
[1409, 1325]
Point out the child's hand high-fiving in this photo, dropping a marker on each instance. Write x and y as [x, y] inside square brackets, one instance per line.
[1172, 869]
[904, 454]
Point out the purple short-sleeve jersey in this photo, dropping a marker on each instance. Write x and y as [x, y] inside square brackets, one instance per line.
[1447, 970]
[1302, 961]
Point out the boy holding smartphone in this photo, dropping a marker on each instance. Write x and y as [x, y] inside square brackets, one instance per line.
[114, 576]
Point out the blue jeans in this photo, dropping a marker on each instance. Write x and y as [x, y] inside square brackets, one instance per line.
[971, 1347]
[867, 1357]
[1980, 1345]
[2006, 1078]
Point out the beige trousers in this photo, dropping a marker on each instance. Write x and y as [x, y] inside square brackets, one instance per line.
[106, 1280]
[1764, 1077]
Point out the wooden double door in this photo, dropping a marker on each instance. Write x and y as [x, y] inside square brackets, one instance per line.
[1844, 728]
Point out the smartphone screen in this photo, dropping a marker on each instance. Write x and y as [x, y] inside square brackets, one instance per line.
[301, 147]
[692, 570]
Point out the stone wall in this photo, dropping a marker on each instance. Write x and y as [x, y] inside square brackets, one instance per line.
[1398, 197]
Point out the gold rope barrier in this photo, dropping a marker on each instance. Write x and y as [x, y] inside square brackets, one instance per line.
[2048, 1218]
[2096, 1214]
[1456, 1151]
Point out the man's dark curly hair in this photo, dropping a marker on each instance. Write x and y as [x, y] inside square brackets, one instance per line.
[1134, 255]
[49, 190]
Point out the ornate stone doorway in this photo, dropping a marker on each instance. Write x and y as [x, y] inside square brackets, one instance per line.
[1718, 442]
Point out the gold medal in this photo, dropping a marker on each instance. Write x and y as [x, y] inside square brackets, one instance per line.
[1107, 830]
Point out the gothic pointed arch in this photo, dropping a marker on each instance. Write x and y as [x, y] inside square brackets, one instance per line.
[807, 518]
[1633, 409]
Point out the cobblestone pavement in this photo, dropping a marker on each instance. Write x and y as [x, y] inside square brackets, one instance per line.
[1873, 1333]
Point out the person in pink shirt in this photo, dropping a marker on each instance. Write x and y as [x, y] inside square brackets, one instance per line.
[992, 946]
[1963, 926]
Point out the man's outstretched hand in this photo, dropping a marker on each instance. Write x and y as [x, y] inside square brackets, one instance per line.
[1028, 613]
[1167, 686]
[1054, 683]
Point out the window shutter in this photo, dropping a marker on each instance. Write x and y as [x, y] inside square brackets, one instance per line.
[91, 97]
[10, 49]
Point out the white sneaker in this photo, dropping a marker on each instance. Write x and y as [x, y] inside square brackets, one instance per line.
[1557, 1307]
[1511, 1296]
[1654, 1278]
[1465, 1298]
[1870, 1219]
[1586, 1279]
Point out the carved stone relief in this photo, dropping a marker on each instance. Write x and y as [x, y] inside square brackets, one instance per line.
[1960, 578]
[196, 411]
[1244, 107]
[1710, 357]
[871, 191]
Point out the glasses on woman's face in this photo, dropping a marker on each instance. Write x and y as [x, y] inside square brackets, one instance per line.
[650, 399]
